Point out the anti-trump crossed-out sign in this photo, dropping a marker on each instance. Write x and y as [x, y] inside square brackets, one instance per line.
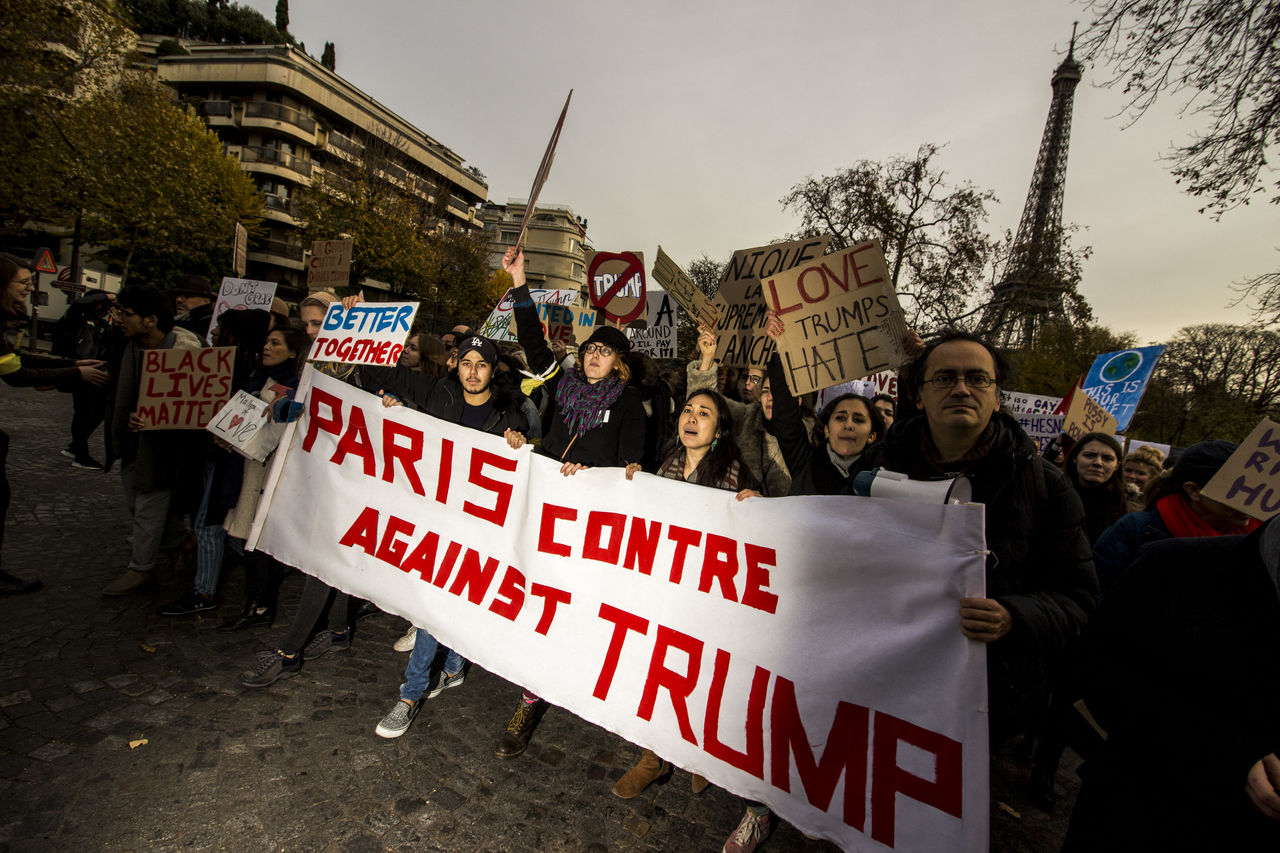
[367, 333]
[801, 651]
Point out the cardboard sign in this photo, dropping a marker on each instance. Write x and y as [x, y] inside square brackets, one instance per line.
[730, 637]
[1117, 380]
[676, 282]
[237, 294]
[544, 170]
[1020, 402]
[1085, 416]
[1043, 427]
[842, 318]
[330, 265]
[498, 327]
[615, 281]
[183, 388]
[369, 333]
[568, 324]
[741, 341]
[885, 382]
[245, 424]
[1250, 481]
[1135, 443]
[658, 339]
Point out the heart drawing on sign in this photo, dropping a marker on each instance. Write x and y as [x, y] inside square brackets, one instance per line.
[236, 420]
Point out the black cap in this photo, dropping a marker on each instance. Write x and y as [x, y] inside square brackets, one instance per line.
[1199, 462]
[193, 285]
[611, 337]
[479, 344]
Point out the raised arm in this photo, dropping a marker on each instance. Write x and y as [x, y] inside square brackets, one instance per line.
[528, 325]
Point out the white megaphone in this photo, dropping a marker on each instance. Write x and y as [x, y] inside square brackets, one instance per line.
[879, 483]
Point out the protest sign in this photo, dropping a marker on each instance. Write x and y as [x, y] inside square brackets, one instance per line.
[842, 318]
[615, 281]
[1117, 379]
[568, 324]
[244, 423]
[885, 382]
[330, 265]
[240, 250]
[1250, 481]
[676, 282]
[239, 293]
[740, 305]
[1043, 427]
[1084, 416]
[658, 339]
[183, 388]
[801, 651]
[1020, 402]
[1135, 443]
[499, 326]
[544, 170]
[367, 333]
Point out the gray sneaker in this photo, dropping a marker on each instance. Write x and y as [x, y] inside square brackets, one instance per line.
[444, 681]
[397, 722]
[326, 641]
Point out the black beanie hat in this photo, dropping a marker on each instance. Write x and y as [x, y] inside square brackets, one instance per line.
[611, 337]
[1199, 462]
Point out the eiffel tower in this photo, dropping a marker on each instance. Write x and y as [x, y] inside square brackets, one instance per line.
[1031, 293]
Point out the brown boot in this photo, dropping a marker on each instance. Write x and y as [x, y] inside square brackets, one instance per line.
[638, 778]
[698, 783]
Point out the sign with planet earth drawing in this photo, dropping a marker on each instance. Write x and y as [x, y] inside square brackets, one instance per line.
[1117, 379]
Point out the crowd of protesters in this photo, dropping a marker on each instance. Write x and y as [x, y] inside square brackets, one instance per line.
[1126, 613]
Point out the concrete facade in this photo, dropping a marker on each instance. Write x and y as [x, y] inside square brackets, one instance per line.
[554, 246]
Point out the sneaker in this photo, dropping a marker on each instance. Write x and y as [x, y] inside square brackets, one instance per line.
[192, 602]
[326, 641]
[405, 643]
[444, 681]
[397, 722]
[516, 738]
[68, 452]
[10, 585]
[87, 463]
[364, 611]
[747, 837]
[271, 667]
[131, 581]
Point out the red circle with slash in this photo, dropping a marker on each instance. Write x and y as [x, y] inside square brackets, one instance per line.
[625, 267]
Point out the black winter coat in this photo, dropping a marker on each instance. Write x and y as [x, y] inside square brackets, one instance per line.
[1039, 563]
[811, 468]
[617, 442]
[442, 397]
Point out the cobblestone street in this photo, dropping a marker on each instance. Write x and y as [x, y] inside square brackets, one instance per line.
[124, 730]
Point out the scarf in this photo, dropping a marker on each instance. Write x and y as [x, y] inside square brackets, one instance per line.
[1183, 522]
[844, 463]
[583, 404]
[934, 465]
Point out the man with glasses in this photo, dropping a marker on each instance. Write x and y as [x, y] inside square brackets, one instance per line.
[1040, 581]
[749, 383]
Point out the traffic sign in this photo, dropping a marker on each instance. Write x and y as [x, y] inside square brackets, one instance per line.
[44, 261]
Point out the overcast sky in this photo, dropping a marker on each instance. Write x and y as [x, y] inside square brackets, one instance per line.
[691, 119]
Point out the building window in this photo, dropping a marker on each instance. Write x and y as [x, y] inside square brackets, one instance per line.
[578, 271]
[507, 236]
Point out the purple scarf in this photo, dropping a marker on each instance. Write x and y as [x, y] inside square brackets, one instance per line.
[582, 404]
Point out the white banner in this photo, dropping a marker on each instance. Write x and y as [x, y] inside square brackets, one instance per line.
[805, 652]
[499, 326]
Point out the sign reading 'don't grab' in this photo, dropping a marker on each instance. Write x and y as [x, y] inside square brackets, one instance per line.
[368, 333]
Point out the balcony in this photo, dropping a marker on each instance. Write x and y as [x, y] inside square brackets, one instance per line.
[282, 119]
[220, 109]
[277, 253]
[277, 209]
[275, 161]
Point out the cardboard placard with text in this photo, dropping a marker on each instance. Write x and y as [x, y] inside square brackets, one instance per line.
[1085, 415]
[568, 324]
[368, 333]
[237, 294]
[740, 337]
[330, 264]
[676, 282]
[658, 339]
[183, 388]
[841, 318]
[1250, 481]
[245, 424]
[498, 327]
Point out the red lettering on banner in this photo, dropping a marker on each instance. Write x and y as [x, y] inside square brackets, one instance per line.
[719, 562]
[446, 565]
[473, 578]
[446, 471]
[355, 441]
[391, 549]
[642, 545]
[423, 557]
[683, 537]
[364, 532]
[944, 793]
[498, 513]
[752, 759]
[597, 523]
[678, 684]
[408, 457]
[331, 424]
[845, 753]
[510, 596]
[622, 623]
[754, 593]
[547, 543]
[551, 599]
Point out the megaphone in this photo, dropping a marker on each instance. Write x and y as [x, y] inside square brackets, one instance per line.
[879, 483]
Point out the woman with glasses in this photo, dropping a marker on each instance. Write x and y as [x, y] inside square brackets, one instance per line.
[596, 420]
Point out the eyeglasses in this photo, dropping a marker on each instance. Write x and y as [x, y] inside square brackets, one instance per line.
[973, 380]
[603, 350]
[752, 380]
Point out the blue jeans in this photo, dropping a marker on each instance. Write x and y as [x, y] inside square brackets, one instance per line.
[417, 675]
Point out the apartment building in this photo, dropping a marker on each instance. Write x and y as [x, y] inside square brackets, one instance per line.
[554, 245]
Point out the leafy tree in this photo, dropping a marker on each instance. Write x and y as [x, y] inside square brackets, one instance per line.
[213, 21]
[458, 286]
[329, 58]
[1063, 352]
[282, 15]
[930, 229]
